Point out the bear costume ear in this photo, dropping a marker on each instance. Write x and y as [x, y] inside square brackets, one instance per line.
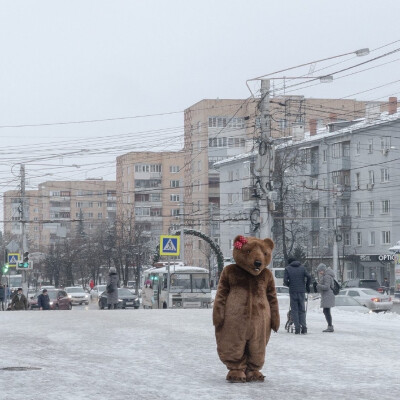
[270, 243]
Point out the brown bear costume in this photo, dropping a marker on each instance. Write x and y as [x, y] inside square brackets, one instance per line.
[246, 309]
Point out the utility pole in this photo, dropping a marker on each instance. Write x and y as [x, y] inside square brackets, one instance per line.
[23, 243]
[182, 223]
[265, 161]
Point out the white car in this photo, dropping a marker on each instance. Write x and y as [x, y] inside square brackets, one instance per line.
[348, 303]
[372, 299]
[96, 292]
[77, 295]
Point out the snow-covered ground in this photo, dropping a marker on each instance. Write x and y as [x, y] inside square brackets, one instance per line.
[171, 354]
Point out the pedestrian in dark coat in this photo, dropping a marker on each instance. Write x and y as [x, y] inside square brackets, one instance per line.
[2, 296]
[44, 300]
[298, 280]
[19, 301]
[112, 288]
[325, 286]
[386, 286]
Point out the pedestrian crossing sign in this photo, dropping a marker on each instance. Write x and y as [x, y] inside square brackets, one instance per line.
[169, 245]
[13, 259]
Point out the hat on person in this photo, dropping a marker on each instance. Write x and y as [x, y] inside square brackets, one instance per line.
[20, 288]
[44, 291]
[321, 267]
[291, 259]
[112, 270]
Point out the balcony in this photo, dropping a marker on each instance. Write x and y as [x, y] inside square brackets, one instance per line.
[345, 163]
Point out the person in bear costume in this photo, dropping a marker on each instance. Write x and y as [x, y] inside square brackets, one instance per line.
[246, 309]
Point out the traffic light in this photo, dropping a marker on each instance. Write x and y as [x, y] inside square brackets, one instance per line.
[26, 258]
[25, 263]
[4, 269]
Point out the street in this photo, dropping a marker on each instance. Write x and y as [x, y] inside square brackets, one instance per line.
[171, 354]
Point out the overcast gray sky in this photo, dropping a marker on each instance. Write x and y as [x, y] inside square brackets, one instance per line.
[71, 61]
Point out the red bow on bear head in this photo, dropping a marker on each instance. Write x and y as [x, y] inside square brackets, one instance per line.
[240, 242]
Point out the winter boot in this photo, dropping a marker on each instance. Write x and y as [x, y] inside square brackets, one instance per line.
[328, 329]
[297, 331]
[303, 330]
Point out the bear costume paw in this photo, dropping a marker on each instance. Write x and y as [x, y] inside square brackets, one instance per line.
[236, 375]
[254, 376]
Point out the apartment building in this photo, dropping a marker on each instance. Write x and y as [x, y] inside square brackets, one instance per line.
[219, 129]
[150, 192]
[53, 211]
[342, 197]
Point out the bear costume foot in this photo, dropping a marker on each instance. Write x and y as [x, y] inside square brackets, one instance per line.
[254, 376]
[236, 375]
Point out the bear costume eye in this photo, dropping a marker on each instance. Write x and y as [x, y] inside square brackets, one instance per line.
[248, 251]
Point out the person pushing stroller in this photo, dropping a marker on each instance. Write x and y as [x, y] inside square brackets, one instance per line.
[298, 280]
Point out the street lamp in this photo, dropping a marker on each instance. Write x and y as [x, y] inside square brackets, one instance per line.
[358, 53]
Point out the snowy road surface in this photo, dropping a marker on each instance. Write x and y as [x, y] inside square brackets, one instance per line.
[171, 354]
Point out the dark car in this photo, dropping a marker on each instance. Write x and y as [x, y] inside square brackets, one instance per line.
[363, 283]
[125, 299]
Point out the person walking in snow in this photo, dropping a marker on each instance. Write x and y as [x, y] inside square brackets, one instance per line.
[298, 280]
[19, 301]
[43, 301]
[2, 296]
[324, 286]
[112, 288]
[147, 295]
[386, 286]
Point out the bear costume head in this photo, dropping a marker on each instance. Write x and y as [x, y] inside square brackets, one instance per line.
[252, 254]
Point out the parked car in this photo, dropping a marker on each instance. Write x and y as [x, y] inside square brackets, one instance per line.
[362, 283]
[59, 299]
[33, 300]
[77, 295]
[125, 299]
[372, 299]
[96, 292]
[348, 303]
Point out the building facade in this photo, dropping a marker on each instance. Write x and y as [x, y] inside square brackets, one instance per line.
[150, 192]
[54, 210]
[219, 129]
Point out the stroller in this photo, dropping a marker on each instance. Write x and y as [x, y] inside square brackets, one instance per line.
[289, 326]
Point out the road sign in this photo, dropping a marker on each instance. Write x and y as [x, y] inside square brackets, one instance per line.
[13, 259]
[169, 245]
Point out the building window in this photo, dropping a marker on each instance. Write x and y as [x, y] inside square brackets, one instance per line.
[371, 178]
[358, 148]
[175, 212]
[372, 238]
[100, 215]
[246, 194]
[371, 208]
[385, 175]
[358, 179]
[385, 237]
[324, 156]
[230, 197]
[336, 153]
[370, 146]
[358, 209]
[359, 238]
[230, 176]
[174, 197]
[385, 206]
[90, 215]
[174, 169]
[325, 212]
[385, 144]
[174, 184]
[99, 204]
[315, 240]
